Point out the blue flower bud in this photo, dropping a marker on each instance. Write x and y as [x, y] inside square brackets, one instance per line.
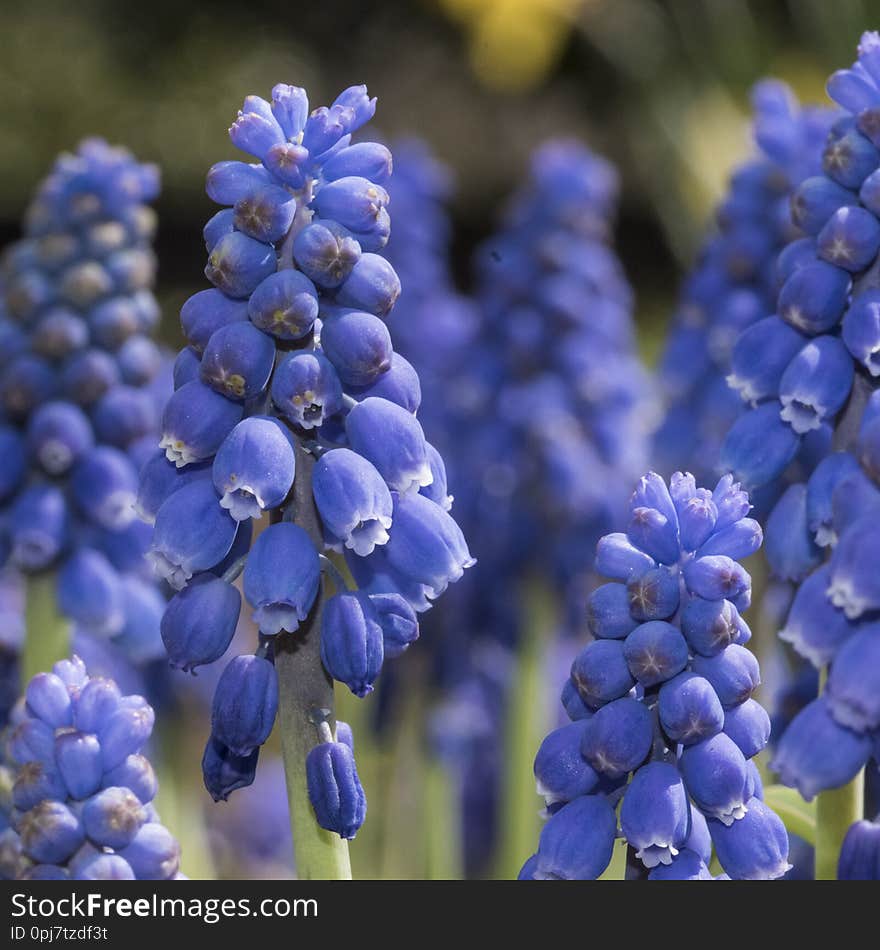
[238, 361]
[224, 772]
[561, 772]
[324, 128]
[426, 544]
[123, 415]
[372, 285]
[137, 774]
[820, 491]
[265, 214]
[227, 182]
[398, 384]
[222, 223]
[699, 840]
[855, 582]
[360, 108]
[856, 498]
[192, 533]
[690, 710]
[326, 253]
[199, 622]
[254, 468]
[608, 612]
[365, 160]
[754, 848]
[113, 817]
[88, 592]
[356, 203]
[815, 627]
[27, 382]
[290, 106]
[159, 479]
[335, 790]
[848, 157]
[600, 672]
[256, 129]
[816, 384]
[655, 814]
[88, 375]
[577, 842]
[815, 200]
[850, 239]
[400, 626]
[112, 322]
[572, 702]
[652, 532]
[654, 595]
[715, 774]
[31, 740]
[37, 782]
[759, 446]
[195, 422]
[737, 540]
[154, 854]
[238, 264]
[790, 548]
[860, 853]
[617, 558]
[351, 641]
[716, 577]
[285, 305]
[749, 726]
[438, 490]
[710, 625]
[655, 652]
[760, 357]
[306, 389]
[733, 673]
[58, 334]
[813, 299]
[617, 739]
[816, 753]
[90, 864]
[140, 360]
[186, 367]
[527, 871]
[58, 434]
[96, 702]
[207, 311]
[12, 461]
[353, 500]
[38, 527]
[685, 866]
[358, 345]
[126, 730]
[853, 691]
[50, 832]
[281, 578]
[245, 703]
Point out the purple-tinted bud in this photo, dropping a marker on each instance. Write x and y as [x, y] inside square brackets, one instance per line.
[815, 627]
[600, 672]
[690, 710]
[90, 864]
[222, 223]
[38, 527]
[860, 853]
[850, 239]
[561, 772]
[186, 367]
[192, 533]
[617, 739]
[159, 479]
[398, 384]
[716, 577]
[238, 264]
[354, 502]
[815, 200]
[715, 774]
[813, 299]
[654, 595]
[426, 544]
[816, 384]
[354, 202]
[58, 334]
[254, 468]
[326, 253]
[88, 592]
[137, 774]
[245, 703]
[199, 622]
[255, 132]
[344, 734]
[652, 532]
[608, 612]
[207, 311]
[97, 701]
[438, 490]
[760, 357]
[50, 833]
[238, 361]
[281, 578]
[123, 415]
[325, 127]
[820, 492]
[853, 691]
[791, 551]
[227, 182]
[88, 375]
[577, 842]
[37, 782]
[861, 330]
[372, 285]
[195, 422]
[27, 382]
[365, 159]
[105, 485]
[400, 626]
[126, 730]
[140, 360]
[113, 817]
[749, 726]
[759, 446]
[358, 345]
[655, 814]
[306, 389]
[290, 106]
[112, 322]
[737, 540]
[352, 641]
[31, 740]
[265, 214]
[224, 772]
[573, 703]
[855, 582]
[685, 866]
[733, 673]
[655, 652]
[617, 558]
[335, 790]
[848, 157]
[710, 625]
[58, 434]
[285, 305]
[154, 854]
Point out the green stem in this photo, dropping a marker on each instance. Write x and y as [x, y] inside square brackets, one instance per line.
[47, 632]
[304, 686]
[836, 810]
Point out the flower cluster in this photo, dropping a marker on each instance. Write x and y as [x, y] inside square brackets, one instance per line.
[290, 376]
[812, 368]
[79, 789]
[80, 392]
[660, 702]
[734, 282]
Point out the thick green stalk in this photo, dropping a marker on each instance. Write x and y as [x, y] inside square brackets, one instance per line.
[836, 810]
[305, 687]
[47, 632]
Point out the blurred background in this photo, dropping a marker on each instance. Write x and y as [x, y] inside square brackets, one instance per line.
[660, 87]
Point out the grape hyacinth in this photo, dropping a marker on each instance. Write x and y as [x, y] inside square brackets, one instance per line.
[81, 790]
[660, 702]
[81, 389]
[290, 400]
[733, 286]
